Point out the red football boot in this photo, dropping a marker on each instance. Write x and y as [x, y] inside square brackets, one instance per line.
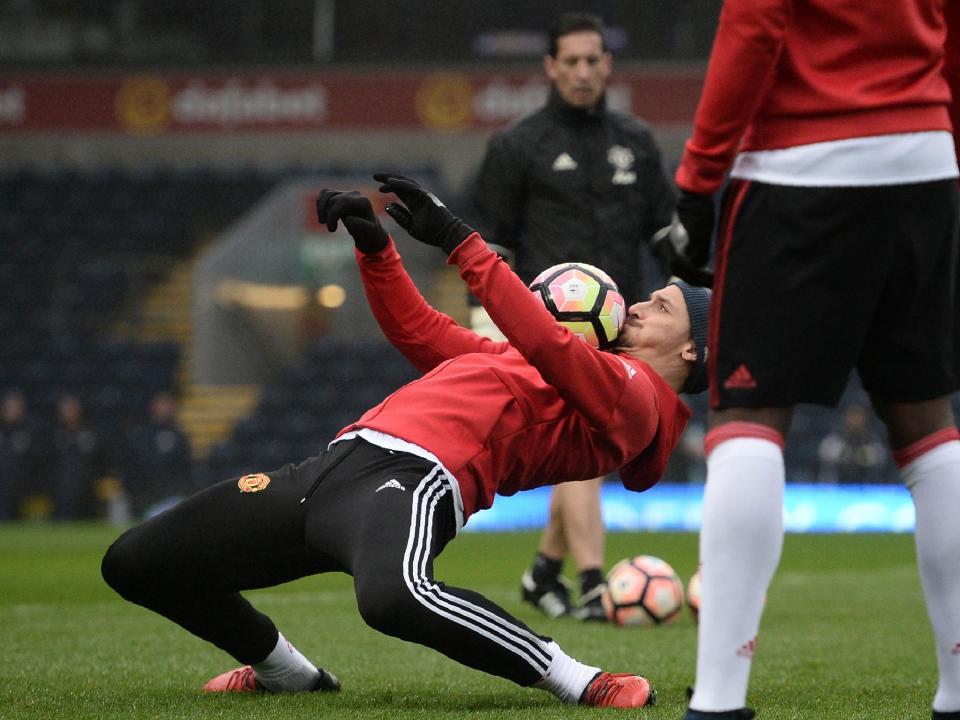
[243, 680]
[620, 690]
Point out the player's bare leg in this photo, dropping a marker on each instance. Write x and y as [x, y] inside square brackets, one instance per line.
[541, 584]
[582, 524]
[553, 539]
[575, 525]
[581, 521]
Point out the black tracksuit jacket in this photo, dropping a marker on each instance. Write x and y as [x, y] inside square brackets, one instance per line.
[565, 184]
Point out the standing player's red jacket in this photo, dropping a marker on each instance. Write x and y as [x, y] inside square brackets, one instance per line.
[793, 72]
[504, 417]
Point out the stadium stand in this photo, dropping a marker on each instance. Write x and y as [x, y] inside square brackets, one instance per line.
[80, 250]
[331, 386]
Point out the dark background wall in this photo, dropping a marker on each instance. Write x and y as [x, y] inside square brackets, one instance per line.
[45, 33]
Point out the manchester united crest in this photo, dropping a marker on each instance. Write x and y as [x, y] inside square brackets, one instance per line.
[622, 159]
[253, 483]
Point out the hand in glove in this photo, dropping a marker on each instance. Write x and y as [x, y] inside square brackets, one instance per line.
[357, 215]
[684, 246]
[424, 217]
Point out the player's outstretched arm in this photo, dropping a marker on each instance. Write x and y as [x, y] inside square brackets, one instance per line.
[422, 214]
[356, 213]
[746, 48]
[424, 335]
[602, 387]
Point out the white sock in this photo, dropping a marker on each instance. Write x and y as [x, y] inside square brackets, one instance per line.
[566, 678]
[286, 670]
[740, 542]
[934, 481]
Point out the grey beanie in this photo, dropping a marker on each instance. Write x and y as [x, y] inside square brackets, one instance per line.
[698, 309]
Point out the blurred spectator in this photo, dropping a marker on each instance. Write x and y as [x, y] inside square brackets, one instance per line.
[158, 464]
[18, 453]
[854, 453]
[79, 465]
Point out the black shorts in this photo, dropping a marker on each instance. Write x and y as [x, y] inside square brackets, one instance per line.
[813, 282]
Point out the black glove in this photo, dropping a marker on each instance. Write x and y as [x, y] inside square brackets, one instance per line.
[665, 243]
[696, 214]
[684, 246]
[357, 215]
[424, 217]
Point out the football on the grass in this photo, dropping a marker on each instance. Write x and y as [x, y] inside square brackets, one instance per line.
[584, 299]
[643, 590]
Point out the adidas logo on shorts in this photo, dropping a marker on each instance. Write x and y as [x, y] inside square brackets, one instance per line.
[740, 379]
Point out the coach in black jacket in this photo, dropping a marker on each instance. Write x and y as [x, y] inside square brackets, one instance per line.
[574, 181]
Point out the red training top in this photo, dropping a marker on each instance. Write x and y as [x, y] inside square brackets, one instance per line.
[503, 417]
[784, 73]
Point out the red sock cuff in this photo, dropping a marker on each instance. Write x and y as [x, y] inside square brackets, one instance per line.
[906, 455]
[741, 429]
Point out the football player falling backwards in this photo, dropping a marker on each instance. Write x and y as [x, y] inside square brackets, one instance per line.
[394, 487]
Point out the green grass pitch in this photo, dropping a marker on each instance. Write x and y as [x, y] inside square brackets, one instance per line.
[844, 636]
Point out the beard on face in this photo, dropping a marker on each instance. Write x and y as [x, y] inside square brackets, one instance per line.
[621, 343]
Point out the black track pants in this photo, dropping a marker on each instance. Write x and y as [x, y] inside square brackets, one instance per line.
[378, 515]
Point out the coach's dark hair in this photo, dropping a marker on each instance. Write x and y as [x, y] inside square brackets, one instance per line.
[572, 22]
